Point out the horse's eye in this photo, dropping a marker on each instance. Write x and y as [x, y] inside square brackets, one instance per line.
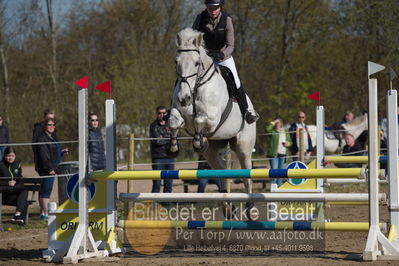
[196, 64]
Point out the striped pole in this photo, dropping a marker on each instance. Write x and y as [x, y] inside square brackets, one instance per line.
[264, 197]
[236, 173]
[247, 225]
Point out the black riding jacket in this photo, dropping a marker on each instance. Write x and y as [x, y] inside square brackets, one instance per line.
[214, 39]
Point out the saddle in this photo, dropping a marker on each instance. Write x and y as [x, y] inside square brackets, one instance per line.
[229, 78]
[337, 131]
[330, 134]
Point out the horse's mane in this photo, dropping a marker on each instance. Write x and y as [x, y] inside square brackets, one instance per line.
[186, 39]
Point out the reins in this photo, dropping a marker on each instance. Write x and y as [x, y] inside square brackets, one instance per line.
[198, 83]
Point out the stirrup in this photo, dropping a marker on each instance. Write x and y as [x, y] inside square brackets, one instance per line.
[251, 118]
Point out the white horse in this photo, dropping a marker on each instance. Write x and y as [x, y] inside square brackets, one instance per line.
[202, 106]
[333, 139]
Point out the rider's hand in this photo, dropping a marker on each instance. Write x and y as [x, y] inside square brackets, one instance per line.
[216, 55]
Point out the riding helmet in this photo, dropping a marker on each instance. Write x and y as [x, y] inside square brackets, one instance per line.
[214, 2]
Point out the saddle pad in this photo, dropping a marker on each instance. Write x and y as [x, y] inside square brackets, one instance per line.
[330, 134]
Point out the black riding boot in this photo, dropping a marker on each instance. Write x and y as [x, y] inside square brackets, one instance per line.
[242, 102]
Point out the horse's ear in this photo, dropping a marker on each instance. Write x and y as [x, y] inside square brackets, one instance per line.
[197, 41]
[178, 40]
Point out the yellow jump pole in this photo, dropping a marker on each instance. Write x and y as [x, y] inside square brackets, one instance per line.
[240, 173]
[351, 159]
[247, 225]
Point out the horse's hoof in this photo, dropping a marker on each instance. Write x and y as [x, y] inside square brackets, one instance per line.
[203, 147]
[174, 148]
[196, 144]
[200, 146]
[173, 151]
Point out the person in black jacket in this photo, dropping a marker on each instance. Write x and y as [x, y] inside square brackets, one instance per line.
[3, 136]
[351, 148]
[37, 131]
[159, 146]
[49, 156]
[96, 144]
[13, 190]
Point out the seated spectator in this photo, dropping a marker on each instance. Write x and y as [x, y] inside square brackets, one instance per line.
[347, 117]
[351, 148]
[13, 190]
[203, 165]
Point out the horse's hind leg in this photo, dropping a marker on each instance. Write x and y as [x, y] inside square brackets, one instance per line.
[212, 154]
[243, 150]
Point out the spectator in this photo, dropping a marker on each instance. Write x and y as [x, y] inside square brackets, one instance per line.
[13, 189]
[159, 152]
[3, 136]
[384, 126]
[347, 117]
[96, 144]
[278, 141]
[203, 165]
[383, 150]
[37, 131]
[351, 148]
[49, 156]
[294, 132]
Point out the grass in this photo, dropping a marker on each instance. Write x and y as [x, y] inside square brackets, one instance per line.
[34, 220]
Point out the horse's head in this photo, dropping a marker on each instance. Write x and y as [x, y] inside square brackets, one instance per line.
[190, 58]
[357, 125]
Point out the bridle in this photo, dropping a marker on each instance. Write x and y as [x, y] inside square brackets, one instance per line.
[199, 79]
[198, 83]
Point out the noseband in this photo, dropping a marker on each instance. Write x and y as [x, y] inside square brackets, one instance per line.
[199, 80]
[198, 83]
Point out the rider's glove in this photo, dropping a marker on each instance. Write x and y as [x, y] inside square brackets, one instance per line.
[216, 55]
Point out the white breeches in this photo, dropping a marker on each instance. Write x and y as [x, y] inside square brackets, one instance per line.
[232, 66]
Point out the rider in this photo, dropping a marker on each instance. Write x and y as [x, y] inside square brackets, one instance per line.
[218, 30]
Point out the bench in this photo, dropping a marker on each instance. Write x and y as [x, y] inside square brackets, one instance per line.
[31, 184]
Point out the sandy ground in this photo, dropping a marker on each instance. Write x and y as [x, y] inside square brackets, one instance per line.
[25, 246]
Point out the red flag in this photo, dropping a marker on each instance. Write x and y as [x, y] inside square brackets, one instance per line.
[106, 87]
[83, 82]
[315, 96]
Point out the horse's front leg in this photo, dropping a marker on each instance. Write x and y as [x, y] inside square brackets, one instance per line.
[200, 143]
[175, 122]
